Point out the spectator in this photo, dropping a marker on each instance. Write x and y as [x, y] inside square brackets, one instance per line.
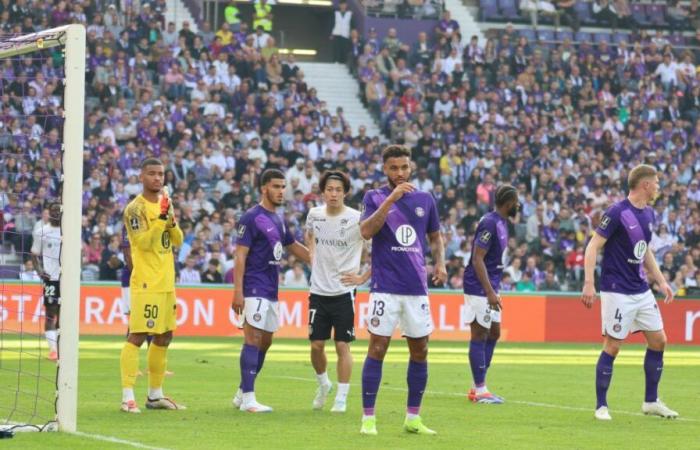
[212, 274]
[111, 261]
[567, 10]
[605, 13]
[340, 35]
[295, 277]
[189, 274]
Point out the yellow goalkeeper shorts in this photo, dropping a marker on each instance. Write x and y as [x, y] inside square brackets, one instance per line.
[153, 313]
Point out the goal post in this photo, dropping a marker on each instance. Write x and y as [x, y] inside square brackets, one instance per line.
[72, 41]
[74, 112]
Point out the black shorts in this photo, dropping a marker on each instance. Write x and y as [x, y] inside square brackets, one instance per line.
[326, 312]
[52, 293]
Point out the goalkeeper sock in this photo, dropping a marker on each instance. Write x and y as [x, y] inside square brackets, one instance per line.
[52, 339]
[653, 368]
[157, 362]
[129, 365]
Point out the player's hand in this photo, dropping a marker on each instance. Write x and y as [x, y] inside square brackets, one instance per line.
[668, 292]
[238, 302]
[494, 301]
[164, 203]
[400, 190]
[439, 275]
[588, 295]
[350, 279]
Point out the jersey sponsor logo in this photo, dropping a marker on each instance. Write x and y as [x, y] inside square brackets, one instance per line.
[277, 251]
[640, 249]
[406, 235]
[134, 223]
[485, 237]
[420, 212]
[604, 223]
[332, 242]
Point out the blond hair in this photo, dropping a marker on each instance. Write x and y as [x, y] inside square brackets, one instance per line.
[639, 173]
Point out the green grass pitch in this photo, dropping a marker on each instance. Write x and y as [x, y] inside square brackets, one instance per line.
[548, 389]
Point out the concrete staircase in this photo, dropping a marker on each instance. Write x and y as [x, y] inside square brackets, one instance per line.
[467, 17]
[337, 87]
[177, 12]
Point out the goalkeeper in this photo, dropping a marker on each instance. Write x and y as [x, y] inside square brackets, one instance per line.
[152, 232]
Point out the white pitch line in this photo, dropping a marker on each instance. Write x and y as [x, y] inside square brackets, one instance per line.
[114, 440]
[519, 402]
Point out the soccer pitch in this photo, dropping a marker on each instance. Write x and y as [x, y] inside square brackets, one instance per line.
[549, 392]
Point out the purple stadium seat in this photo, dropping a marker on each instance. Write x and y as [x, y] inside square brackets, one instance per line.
[489, 10]
[585, 13]
[561, 35]
[657, 14]
[676, 39]
[529, 33]
[583, 36]
[545, 35]
[620, 37]
[600, 37]
[639, 14]
[509, 9]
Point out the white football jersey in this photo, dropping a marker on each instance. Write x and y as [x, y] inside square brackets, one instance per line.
[47, 245]
[338, 249]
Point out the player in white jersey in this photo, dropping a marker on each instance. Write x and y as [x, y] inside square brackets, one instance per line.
[335, 244]
[46, 254]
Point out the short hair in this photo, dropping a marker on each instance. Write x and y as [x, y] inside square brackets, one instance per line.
[639, 173]
[151, 162]
[334, 175]
[395, 151]
[269, 175]
[505, 193]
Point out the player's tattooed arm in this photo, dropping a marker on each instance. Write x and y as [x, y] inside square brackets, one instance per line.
[300, 251]
[437, 249]
[652, 268]
[371, 226]
[596, 243]
[238, 301]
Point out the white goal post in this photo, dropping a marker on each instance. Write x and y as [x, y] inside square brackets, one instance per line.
[72, 38]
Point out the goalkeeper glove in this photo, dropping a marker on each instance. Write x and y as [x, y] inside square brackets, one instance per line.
[164, 205]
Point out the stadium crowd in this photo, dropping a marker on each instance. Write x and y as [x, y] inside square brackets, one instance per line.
[562, 122]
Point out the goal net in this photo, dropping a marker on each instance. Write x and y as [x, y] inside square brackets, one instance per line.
[41, 151]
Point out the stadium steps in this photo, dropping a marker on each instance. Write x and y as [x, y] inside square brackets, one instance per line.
[337, 87]
[176, 11]
[467, 17]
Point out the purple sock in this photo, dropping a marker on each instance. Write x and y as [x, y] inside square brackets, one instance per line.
[371, 377]
[488, 351]
[477, 361]
[249, 365]
[653, 368]
[603, 376]
[261, 360]
[417, 379]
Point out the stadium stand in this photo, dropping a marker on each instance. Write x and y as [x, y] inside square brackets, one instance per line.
[560, 114]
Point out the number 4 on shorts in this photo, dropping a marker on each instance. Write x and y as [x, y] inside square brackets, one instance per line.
[618, 316]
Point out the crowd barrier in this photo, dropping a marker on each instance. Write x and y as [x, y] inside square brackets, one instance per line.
[206, 311]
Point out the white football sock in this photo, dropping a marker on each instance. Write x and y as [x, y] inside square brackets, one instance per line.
[481, 389]
[155, 393]
[342, 393]
[52, 339]
[128, 395]
[323, 379]
[410, 416]
[248, 397]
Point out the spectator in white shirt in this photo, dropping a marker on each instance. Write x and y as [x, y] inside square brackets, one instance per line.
[188, 274]
[667, 72]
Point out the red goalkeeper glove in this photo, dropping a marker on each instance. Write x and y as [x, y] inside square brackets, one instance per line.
[164, 204]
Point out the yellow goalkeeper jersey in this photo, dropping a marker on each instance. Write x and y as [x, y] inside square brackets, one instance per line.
[152, 241]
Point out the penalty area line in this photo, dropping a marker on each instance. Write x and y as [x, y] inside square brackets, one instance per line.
[517, 402]
[114, 440]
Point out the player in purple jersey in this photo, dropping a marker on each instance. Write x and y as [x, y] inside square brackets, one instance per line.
[627, 303]
[481, 280]
[262, 239]
[397, 218]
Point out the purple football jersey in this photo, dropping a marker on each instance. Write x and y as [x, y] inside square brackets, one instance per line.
[491, 235]
[398, 249]
[628, 232]
[126, 272]
[264, 233]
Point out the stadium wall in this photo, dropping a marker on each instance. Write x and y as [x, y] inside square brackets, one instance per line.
[205, 311]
